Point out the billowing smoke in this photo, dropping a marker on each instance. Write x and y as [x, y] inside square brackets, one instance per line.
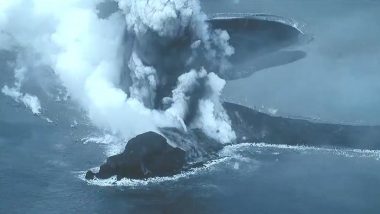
[144, 67]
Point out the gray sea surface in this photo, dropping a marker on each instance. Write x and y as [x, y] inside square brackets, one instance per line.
[42, 162]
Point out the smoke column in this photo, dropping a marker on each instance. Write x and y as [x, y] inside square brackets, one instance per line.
[151, 64]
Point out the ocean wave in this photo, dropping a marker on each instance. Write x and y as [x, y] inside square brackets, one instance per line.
[345, 152]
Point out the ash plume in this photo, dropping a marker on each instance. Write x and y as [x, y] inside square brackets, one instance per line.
[148, 65]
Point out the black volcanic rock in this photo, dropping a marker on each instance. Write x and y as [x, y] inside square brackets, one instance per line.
[146, 155]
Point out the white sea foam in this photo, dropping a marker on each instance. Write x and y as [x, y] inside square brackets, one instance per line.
[345, 152]
[209, 166]
[113, 144]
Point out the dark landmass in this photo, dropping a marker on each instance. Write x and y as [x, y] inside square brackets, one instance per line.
[260, 42]
[146, 155]
[253, 126]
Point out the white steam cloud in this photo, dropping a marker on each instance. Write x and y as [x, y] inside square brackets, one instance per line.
[128, 89]
[30, 101]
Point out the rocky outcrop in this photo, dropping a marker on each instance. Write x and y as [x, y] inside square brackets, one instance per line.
[146, 155]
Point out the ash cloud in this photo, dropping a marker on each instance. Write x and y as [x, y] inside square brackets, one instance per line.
[143, 67]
